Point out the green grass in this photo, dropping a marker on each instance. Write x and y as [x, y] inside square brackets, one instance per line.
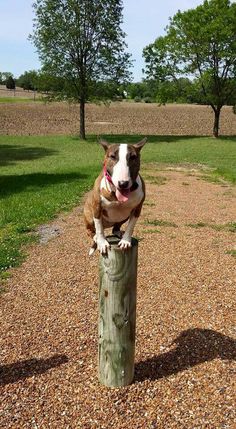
[151, 231]
[154, 180]
[18, 100]
[42, 175]
[197, 225]
[39, 177]
[227, 227]
[149, 203]
[231, 252]
[160, 222]
[211, 178]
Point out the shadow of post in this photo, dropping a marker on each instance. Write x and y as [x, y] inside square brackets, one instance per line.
[193, 347]
[27, 368]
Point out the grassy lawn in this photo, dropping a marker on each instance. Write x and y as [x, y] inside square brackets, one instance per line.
[42, 176]
[18, 100]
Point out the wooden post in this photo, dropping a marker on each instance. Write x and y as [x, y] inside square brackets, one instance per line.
[117, 314]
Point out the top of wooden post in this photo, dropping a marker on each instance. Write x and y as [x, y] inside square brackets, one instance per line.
[113, 240]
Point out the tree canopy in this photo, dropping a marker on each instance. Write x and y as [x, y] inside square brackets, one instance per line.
[10, 83]
[82, 42]
[28, 80]
[201, 43]
[4, 76]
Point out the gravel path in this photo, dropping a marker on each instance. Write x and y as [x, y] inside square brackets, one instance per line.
[185, 351]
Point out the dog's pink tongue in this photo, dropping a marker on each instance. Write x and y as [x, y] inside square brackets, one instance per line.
[122, 196]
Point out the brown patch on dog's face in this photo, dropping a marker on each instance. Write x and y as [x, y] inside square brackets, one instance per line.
[112, 157]
[133, 161]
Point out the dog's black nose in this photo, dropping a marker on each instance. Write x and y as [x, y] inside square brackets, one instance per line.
[123, 184]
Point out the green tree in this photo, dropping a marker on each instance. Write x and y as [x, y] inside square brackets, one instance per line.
[28, 80]
[82, 42]
[176, 90]
[201, 43]
[145, 89]
[10, 83]
[136, 89]
[46, 82]
[4, 76]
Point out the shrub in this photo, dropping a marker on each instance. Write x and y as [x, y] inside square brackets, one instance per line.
[147, 100]
[137, 99]
[10, 83]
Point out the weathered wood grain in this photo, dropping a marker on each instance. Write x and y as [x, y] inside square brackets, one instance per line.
[117, 314]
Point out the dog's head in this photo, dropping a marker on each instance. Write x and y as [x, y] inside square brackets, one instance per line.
[122, 163]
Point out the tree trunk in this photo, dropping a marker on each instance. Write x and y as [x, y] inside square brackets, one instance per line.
[216, 122]
[82, 120]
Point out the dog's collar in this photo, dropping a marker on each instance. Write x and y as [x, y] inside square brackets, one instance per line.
[107, 175]
[109, 179]
[134, 187]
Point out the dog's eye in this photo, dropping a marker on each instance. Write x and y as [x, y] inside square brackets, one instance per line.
[132, 157]
[112, 156]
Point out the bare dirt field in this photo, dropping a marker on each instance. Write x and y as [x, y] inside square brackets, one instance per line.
[119, 118]
[185, 351]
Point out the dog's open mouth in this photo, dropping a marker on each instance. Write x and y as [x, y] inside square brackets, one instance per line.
[122, 195]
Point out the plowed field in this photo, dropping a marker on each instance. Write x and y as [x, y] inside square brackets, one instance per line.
[118, 118]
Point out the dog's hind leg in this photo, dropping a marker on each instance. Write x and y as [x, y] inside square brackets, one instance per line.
[91, 233]
[116, 230]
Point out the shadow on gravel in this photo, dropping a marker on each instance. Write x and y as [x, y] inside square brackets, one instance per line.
[10, 154]
[27, 182]
[193, 347]
[27, 368]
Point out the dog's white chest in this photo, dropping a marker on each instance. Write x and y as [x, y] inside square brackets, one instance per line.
[116, 212]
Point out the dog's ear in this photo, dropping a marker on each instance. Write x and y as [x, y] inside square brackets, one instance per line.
[104, 144]
[138, 146]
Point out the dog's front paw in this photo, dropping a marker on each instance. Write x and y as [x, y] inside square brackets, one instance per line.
[103, 245]
[124, 244]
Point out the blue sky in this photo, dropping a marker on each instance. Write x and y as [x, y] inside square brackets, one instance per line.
[144, 21]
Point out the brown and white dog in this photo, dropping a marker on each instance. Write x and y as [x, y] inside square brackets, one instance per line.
[117, 195]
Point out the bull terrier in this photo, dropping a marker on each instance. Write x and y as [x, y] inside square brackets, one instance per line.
[117, 196]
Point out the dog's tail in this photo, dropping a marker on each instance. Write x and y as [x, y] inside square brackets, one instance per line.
[92, 248]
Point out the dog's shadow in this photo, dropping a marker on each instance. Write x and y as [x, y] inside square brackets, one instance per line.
[193, 347]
